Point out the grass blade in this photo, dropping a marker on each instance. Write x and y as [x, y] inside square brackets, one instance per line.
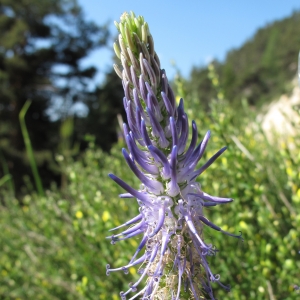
[29, 149]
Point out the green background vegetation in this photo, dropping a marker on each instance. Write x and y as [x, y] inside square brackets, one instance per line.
[52, 235]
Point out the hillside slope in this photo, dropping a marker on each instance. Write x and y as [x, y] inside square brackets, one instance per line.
[260, 70]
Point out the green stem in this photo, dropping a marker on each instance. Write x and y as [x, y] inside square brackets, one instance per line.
[29, 150]
[4, 179]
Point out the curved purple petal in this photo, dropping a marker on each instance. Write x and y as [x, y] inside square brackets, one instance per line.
[207, 164]
[133, 220]
[141, 196]
[136, 262]
[135, 80]
[145, 133]
[135, 151]
[174, 131]
[167, 103]
[191, 148]
[142, 86]
[150, 73]
[160, 221]
[157, 130]
[172, 187]
[154, 186]
[184, 135]
[164, 82]
[163, 160]
[210, 198]
[180, 112]
[140, 247]
[139, 105]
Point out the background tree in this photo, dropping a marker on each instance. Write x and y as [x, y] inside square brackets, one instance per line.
[41, 47]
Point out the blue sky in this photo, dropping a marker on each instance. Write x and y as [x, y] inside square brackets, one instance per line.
[188, 32]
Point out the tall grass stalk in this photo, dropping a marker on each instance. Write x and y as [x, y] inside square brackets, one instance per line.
[29, 149]
[4, 179]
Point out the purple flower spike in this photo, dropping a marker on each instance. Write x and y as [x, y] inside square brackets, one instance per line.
[171, 218]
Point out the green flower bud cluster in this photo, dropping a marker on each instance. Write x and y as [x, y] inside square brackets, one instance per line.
[135, 48]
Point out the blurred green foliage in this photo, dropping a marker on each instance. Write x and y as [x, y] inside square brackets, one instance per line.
[54, 247]
[264, 180]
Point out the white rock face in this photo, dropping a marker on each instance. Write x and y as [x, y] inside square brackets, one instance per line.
[280, 116]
